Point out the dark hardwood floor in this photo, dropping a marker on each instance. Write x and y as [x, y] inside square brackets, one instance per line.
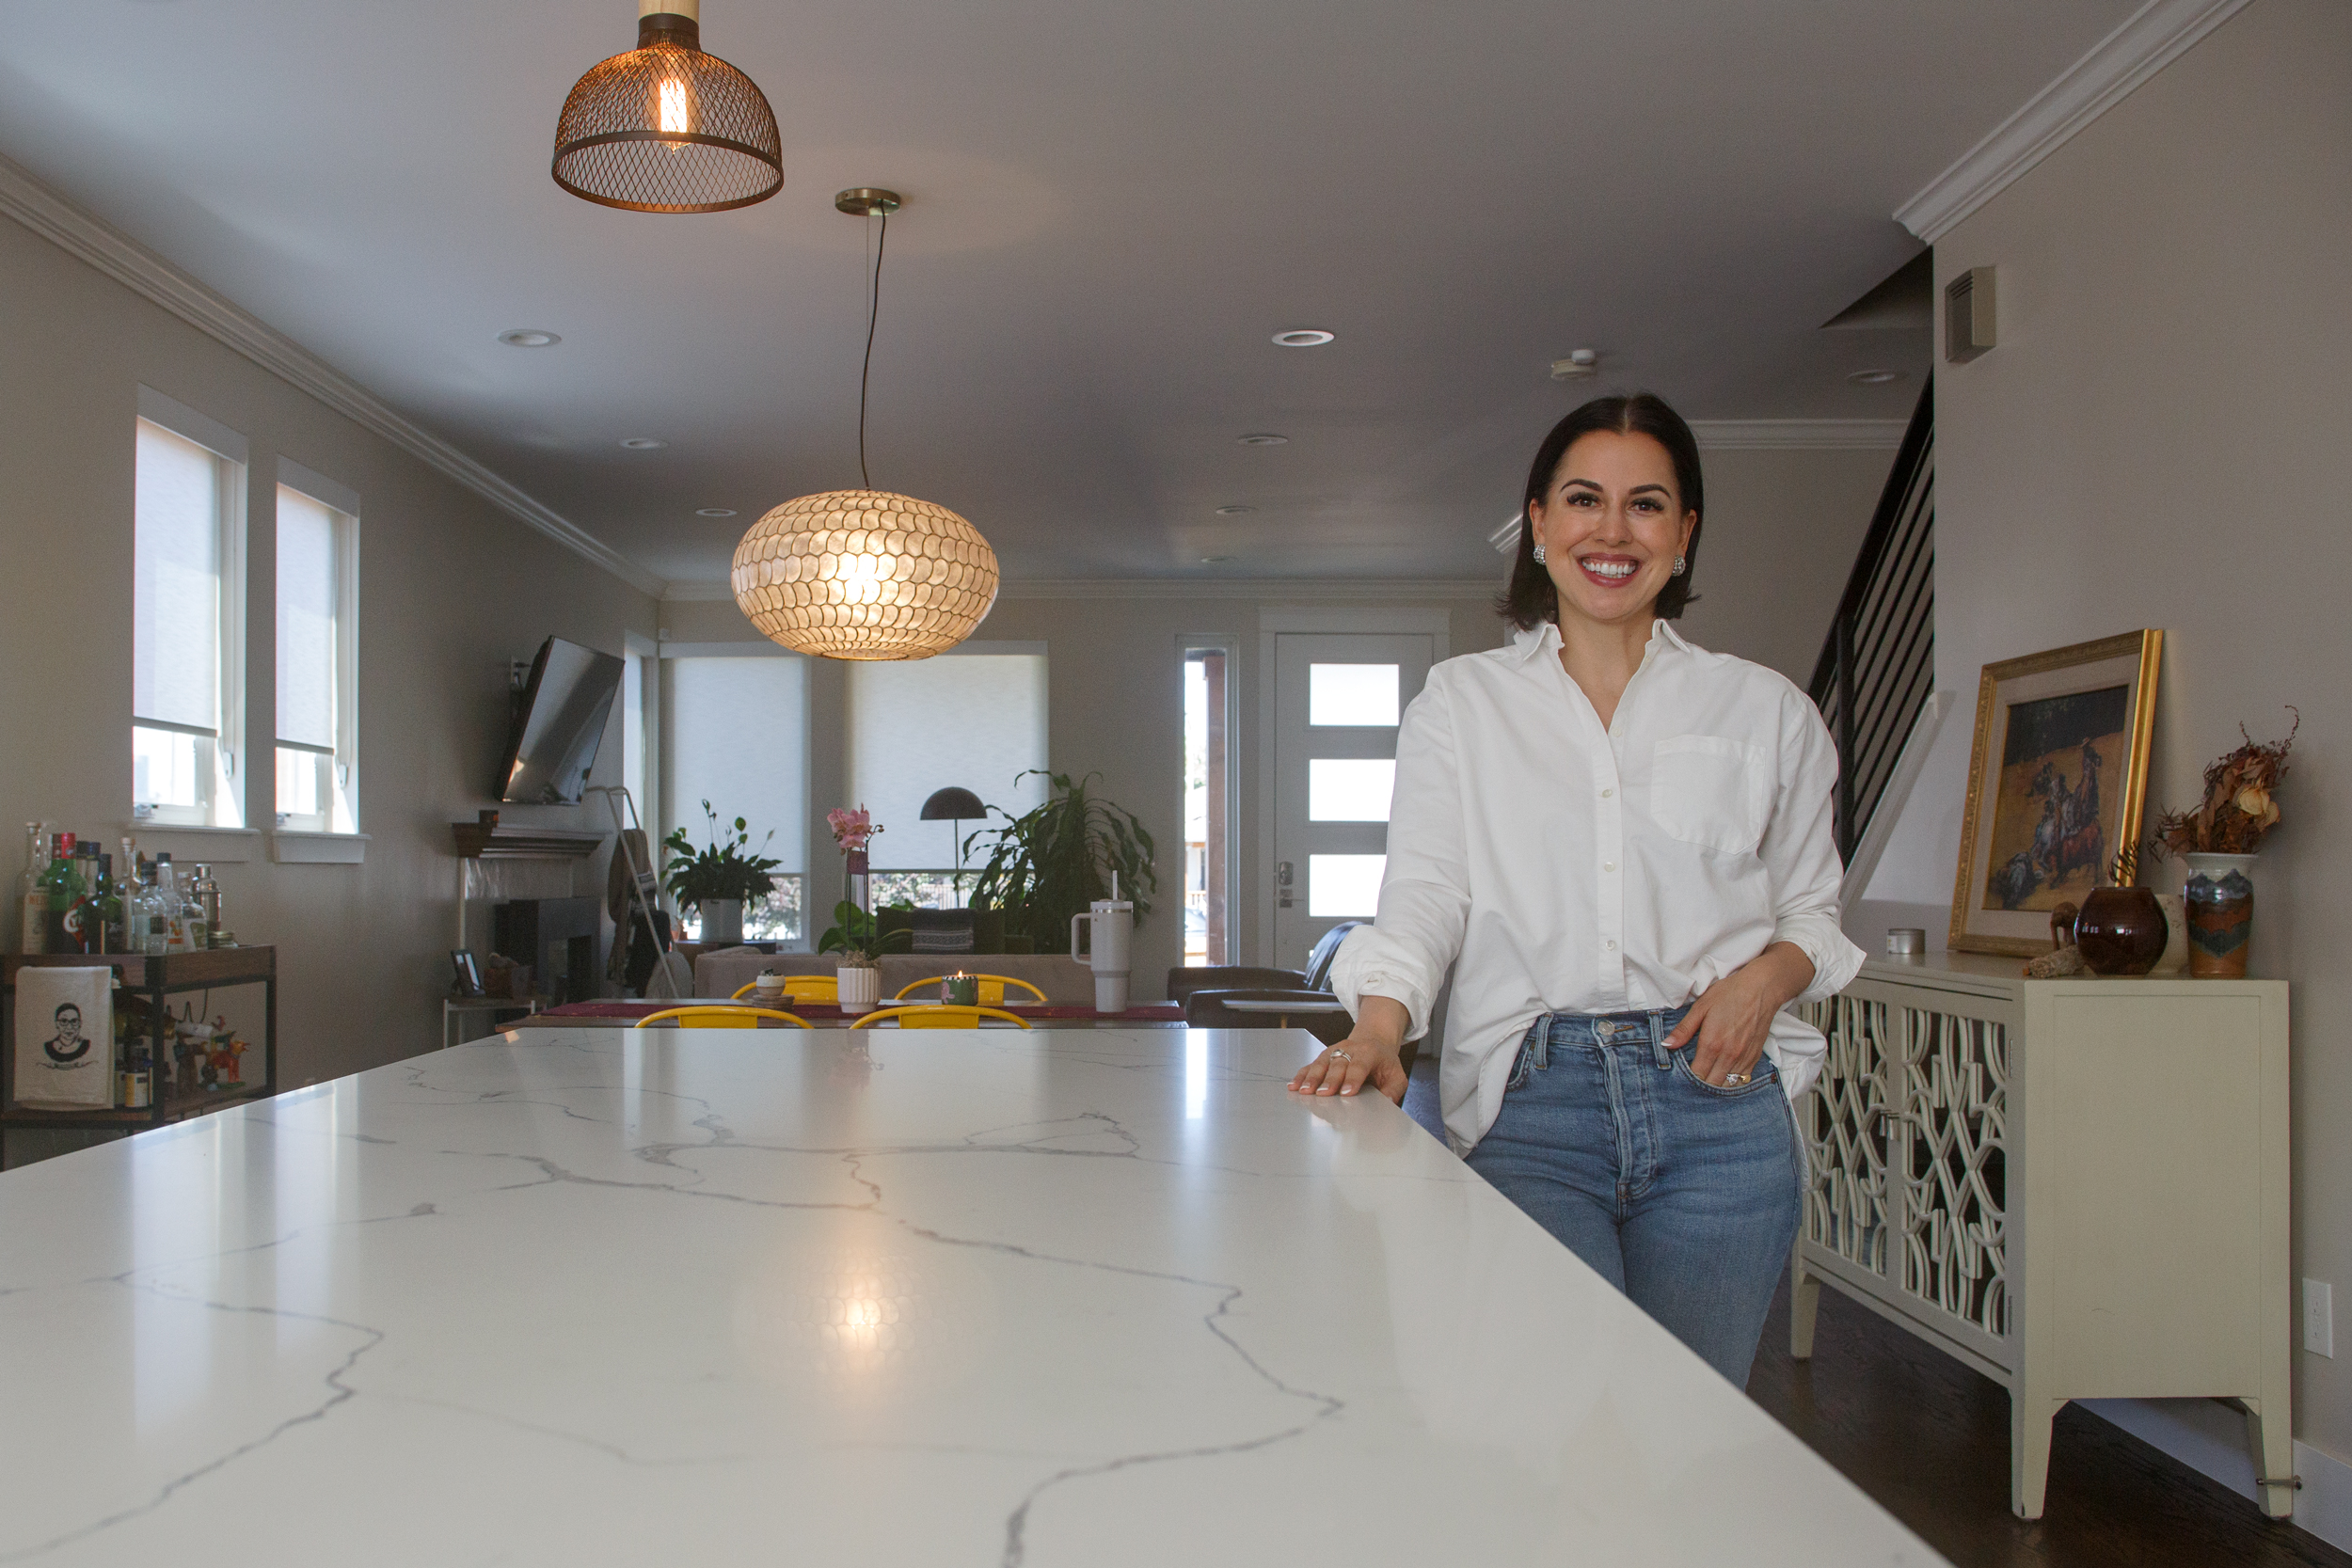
[1929, 1439]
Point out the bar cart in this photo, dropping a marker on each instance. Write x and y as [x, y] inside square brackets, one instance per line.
[153, 977]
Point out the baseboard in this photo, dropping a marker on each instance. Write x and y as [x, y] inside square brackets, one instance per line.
[2210, 1438]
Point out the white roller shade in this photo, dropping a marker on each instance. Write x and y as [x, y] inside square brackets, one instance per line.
[175, 600]
[308, 591]
[968, 720]
[737, 736]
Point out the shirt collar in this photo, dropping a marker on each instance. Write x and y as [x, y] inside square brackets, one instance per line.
[1545, 638]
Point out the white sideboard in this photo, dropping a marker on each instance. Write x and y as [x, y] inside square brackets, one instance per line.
[2078, 1187]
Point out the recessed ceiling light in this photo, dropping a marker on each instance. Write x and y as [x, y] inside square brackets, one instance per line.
[1303, 337]
[1264, 439]
[528, 337]
[1215, 559]
[643, 443]
[714, 512]
[1233, 511]
[1874, 378]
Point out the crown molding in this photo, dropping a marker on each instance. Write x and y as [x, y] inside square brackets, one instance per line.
[2149, 39]
[1289, 589]
[114, 253]
[1799, 435]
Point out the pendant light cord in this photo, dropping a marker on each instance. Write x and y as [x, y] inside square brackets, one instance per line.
[866, 375]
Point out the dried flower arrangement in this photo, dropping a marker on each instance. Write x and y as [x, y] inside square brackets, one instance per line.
[2240, 806]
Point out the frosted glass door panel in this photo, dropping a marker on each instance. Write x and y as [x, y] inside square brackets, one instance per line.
[1351, 696]
[1350, 789]
[1344, 887]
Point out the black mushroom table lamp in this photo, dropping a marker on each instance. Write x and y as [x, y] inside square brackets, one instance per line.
[958, 806]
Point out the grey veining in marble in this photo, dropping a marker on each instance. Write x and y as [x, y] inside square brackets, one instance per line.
[720, 1296]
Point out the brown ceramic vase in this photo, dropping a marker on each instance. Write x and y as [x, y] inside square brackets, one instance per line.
[2120, 930]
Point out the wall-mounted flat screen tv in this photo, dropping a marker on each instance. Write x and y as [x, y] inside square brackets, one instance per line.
[559, 723]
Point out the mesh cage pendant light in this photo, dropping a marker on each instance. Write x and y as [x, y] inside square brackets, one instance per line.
[666, 128]
[865, 574]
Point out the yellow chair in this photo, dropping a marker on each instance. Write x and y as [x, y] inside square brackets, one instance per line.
[938, 1017]
[712, 1015]
[801, 988]
[992, 988]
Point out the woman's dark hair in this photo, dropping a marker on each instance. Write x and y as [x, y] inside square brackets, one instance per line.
[1531, 599]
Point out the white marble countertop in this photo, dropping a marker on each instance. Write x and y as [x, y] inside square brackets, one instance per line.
[720, 1296]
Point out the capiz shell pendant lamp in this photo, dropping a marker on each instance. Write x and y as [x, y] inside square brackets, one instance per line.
[865, 574]
[666, 128]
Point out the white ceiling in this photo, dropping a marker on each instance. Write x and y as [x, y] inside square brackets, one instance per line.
[1109, 212]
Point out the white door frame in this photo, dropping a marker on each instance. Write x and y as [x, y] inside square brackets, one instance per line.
[1435, 623]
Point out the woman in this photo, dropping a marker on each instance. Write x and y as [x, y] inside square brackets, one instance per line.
[1623, 843]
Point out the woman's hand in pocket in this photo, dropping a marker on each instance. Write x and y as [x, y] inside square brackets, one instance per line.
[1370, 1054]
[1732, 1018]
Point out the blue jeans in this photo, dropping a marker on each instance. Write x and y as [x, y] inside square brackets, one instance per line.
[1684, 1197]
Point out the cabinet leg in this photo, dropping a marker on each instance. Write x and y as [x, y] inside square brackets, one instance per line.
[1804, 1306]
[2269, 1431]
[2030, 1412]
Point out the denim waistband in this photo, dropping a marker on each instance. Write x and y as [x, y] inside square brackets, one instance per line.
[1601, 1031]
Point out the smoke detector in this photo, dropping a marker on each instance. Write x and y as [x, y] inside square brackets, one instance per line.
[1576, 367]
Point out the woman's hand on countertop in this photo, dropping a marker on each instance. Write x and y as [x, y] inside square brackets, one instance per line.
[1733, 1017]
[1371, 1054]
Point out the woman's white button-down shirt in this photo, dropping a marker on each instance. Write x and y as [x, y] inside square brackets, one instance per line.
[1573, 869]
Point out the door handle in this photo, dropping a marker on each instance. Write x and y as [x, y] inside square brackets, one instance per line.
[1283, 896]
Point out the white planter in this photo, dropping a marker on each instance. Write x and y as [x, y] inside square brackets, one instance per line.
[722, 922]
[860, 989]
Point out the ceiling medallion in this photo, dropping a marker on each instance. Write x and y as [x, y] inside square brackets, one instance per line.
[666, 128]
[865, 574]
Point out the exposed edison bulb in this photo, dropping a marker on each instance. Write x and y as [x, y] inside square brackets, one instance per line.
[673, 117]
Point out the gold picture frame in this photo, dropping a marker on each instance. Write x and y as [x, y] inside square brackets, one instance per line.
[2056, 782]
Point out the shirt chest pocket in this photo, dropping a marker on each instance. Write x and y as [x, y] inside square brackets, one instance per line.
[1712, 791]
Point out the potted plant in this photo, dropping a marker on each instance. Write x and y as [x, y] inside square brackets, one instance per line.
[719, 878]
[1055, 859]
[2218, 841]
[856, 936]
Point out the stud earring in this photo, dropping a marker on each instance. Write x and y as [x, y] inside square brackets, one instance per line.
[1539, 555]
[1680, 567]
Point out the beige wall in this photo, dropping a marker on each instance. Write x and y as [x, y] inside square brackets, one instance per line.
[2159, 440]
[450, 588]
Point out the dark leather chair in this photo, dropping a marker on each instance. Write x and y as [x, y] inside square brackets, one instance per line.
[1206, 992]
[1183, 982]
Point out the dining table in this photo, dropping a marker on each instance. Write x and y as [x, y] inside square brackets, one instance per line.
[1013, 1298]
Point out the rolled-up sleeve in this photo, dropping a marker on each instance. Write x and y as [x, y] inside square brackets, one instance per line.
[1424, 891]
[1799, 853]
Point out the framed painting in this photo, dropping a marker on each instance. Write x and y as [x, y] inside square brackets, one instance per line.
[2056, 785]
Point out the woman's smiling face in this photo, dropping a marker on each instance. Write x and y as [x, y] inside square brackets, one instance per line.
[1610, 524]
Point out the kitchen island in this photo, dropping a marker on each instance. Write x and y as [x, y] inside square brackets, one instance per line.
[938, 1297]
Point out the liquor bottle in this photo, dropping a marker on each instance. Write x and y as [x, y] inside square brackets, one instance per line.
[167, 905]
[63, 883]
[206, 892]
[193, 924]
[113, 935]
[32, 896]
[154, 926]
[79, 924]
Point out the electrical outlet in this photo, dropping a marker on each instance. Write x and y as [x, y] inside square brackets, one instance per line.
[2319, 1318]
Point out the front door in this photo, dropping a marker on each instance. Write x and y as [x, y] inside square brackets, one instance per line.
[1337, 699]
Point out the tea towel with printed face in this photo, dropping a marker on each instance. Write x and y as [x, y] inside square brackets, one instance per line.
[65, 1033]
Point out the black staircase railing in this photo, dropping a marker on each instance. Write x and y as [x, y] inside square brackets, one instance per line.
[1878, 667]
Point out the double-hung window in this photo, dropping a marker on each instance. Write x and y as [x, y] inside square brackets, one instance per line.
[187, 618]
[318, 593]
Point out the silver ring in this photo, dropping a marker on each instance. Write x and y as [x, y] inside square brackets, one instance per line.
[1341, 1056]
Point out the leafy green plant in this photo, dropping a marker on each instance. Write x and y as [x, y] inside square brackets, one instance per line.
[855, 935]
[1051, 861]
[719, 870]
